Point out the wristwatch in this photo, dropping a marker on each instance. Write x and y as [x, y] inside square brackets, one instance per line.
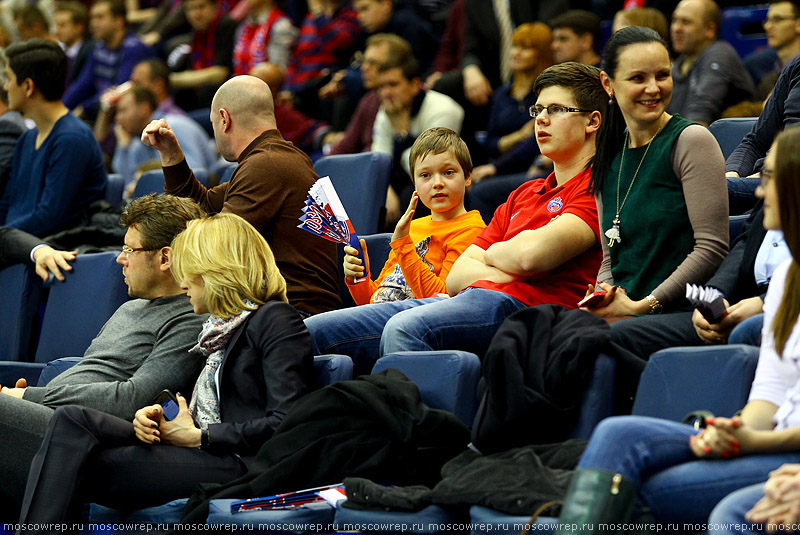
[655, 306]
[204, 437]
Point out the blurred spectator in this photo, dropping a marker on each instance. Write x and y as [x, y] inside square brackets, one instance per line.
[266, 36]
[576, 37]
[306, 133]
[135, 109]
[112, 60]
[18, 247]
[649, 17]
[32, 23]
[329, 35]
[708, 75]
[57, 170]
[71, 21]
[487, 41]
[11, 127]
[447, 62]
[210, 53]
[387, 16]
[153, 74]
[406, 111]
[169, 21]
[782, 27]
[382, 49]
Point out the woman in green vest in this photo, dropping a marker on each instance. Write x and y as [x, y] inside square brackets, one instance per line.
[660, 185]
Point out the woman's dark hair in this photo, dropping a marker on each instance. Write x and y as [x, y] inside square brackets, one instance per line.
[787, 184]
[612, 130]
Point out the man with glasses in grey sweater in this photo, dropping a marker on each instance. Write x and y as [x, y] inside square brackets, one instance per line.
[141, 350]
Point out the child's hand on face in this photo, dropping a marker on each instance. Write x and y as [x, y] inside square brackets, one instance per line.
[404, 225]
[353, 265]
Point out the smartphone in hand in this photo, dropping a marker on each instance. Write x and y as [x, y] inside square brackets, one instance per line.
[592, 299]
[169, 403]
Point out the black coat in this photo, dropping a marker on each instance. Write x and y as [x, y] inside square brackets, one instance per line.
[374, 427]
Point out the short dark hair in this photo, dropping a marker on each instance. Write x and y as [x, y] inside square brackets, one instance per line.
[437, 140]
[31, 15]
[158, 70]
[795, 6]
[117, 8]
[142, 95]
[43, 62]
[582, 80]
[581, 22]
[159, 218]
[408, 64]
[77, 11]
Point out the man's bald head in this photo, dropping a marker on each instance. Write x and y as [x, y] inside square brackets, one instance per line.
[241, 111]
[248, 100]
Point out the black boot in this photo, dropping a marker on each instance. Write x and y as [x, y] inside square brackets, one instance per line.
[597, 501]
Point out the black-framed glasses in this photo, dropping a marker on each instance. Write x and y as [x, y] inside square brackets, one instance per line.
[554, 110]
[127, 250]
[765, 176]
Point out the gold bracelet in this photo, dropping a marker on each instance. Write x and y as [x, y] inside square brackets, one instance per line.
[655, 306]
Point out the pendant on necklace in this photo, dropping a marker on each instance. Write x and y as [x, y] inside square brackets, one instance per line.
[613, 233]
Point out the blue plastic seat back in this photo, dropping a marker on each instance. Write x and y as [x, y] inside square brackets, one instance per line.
[333, 368]
[78, 307]
[378, 249]
[20, 295]
[730, 132]
[742, 28]
[447, 380]
[361, 181]
[735, 225]
[598, 399]
[114, 188]
[203, 118]
[149, 182]
[680, 380]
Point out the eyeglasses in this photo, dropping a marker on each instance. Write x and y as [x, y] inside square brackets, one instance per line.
[776, 20]
[554, 110]
[127, 250]
[765, 176]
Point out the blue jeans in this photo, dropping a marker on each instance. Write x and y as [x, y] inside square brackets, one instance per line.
[654, 454]
[727, 518]
[741, 194]
[466, 322]
[748, 332]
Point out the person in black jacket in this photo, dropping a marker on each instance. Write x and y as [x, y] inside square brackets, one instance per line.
[258, 363]
[735, 278]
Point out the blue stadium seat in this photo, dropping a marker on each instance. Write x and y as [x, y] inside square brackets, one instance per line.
[114, 188]
[55, 367]
[742, 28]
[203, 118]
[76, 310]
[679, 380]
[598, 400]
[735, 225]
[20, 295]
[149, 182]
[361, 181]
[332, 368]
[447, 380]
[226, 172]
[730, 132]
[378, 250]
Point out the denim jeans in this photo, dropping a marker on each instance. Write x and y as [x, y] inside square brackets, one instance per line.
[727, 518]
[677, 487]
[466, 322]
[741, 194]
[748, 332]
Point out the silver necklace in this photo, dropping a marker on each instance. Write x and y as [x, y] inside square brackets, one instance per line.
[613, 233]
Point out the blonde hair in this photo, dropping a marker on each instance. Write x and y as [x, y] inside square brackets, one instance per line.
[436, 140]
[234, 261]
